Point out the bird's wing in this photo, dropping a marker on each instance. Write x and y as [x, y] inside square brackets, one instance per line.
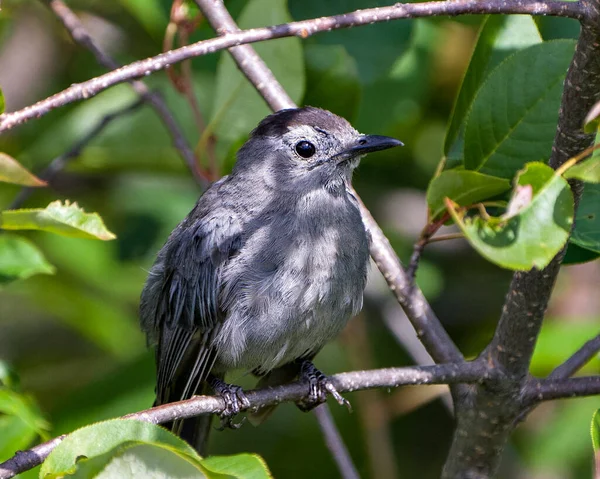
[180, 303]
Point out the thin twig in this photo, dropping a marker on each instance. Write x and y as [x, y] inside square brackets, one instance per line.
[428, 231]
[80, 35]
[345, 382]
[578, 360]
[550, 389]
[302, 29]
[335, 443]
[59, 163]
[446, 237]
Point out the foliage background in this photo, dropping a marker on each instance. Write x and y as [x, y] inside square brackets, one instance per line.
[73, 338]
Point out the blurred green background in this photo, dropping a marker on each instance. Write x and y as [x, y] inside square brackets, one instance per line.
[73, 338]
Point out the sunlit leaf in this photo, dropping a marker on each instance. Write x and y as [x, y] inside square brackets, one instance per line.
[135, 460]
[535, 233]
[128, 449]
[463, 188]
[242, 466]
[499, 37]
[11, 171]
[102, 437]
[20, 259]
[587, 221]
[513, 117]
[238, 107]
[588, 171]
[67, 219]
[2, 102]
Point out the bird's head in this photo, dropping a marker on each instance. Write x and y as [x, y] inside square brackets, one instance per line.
[307, 146]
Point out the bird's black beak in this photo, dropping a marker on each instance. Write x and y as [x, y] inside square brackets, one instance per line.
[361, 146]
[369, 143]
[366, 144]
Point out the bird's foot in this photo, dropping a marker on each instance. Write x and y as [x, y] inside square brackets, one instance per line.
[235, 402]
[319, 385]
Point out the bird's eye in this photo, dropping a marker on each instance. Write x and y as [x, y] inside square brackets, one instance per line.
[305, 149]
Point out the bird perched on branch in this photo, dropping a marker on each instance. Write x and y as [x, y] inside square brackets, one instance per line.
[267, 268]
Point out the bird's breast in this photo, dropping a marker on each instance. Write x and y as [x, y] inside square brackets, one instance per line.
[293, 286]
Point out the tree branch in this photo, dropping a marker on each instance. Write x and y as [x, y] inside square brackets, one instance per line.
[578, 360]
[549, 389]
[534, 387]
[302, 29]
[451, 373]
[486, 418]
[335, 443]
[80, 36]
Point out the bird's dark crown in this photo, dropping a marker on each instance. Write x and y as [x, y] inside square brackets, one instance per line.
[279, 123]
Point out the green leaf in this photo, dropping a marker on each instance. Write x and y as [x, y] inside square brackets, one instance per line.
[11, 171]
[576, 254]
[126, 448]
[535, 227]
[241, 466]
[21, 421]
[20, 259]
[137, 460]
[2, 102]
[587, 222]
[462, 187]
[102, 437]
[498, 37]
[67, 219]
[514, 115]
[238, 107]
[595, 430]
[588, 170]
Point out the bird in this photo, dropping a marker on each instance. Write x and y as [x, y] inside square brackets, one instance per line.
[267, 268]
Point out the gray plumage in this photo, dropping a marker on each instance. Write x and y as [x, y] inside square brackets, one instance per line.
[270, 264]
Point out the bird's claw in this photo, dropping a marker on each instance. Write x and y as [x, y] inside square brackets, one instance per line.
[319, 385]
[235, 402]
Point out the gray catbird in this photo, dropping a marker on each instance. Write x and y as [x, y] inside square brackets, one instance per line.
[266, 269]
